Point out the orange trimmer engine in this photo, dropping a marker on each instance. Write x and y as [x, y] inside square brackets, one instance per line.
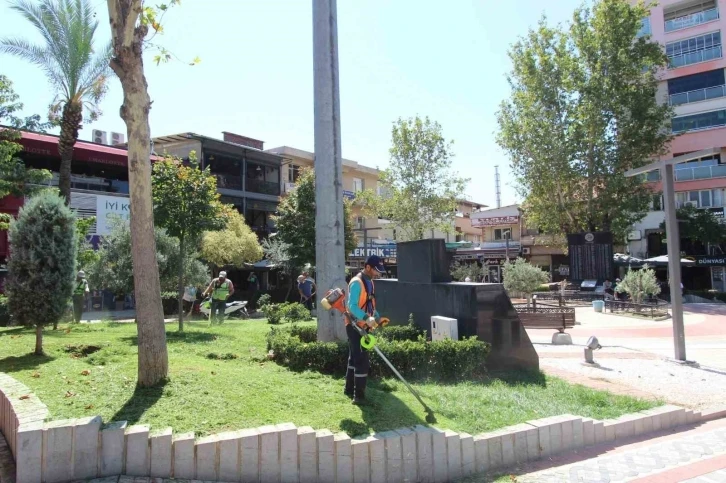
[335, 300]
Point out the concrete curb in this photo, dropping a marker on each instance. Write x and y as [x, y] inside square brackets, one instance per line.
[61, 451]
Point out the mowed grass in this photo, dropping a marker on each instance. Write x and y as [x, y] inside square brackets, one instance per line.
[220, 379]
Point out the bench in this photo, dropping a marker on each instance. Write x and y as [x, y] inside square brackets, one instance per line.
[559, 318]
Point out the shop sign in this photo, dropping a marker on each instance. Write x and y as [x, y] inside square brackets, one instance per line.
[109, 208]
[496, 261]
[717, 212]
[711, 261]
[383, 251]
[564, 270]
[494, 221]
[348, 195]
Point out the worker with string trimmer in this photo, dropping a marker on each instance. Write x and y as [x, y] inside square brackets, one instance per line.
[361, 306]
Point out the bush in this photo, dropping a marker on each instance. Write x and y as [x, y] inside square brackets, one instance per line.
[306, 333]
[264, 300]
[273, 313]
[444, 360]
[295, 312]
[401, 332]
[4, 313]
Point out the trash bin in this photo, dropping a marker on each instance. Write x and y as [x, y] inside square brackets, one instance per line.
[598, 305]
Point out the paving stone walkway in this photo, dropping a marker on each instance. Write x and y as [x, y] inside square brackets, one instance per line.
[640, 462]
[715, 477]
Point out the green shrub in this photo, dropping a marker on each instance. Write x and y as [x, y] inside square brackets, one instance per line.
[4, 313]
[273, 313]
[294, 312]
[264, 300]
[306, 333]
[444, 360]
[401, 332]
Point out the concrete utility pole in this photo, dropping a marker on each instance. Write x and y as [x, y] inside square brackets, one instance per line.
[329, 231]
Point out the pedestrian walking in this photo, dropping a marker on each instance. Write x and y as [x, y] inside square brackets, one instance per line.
[221, 289]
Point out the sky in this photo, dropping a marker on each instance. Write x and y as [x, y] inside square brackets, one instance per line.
[398, 58]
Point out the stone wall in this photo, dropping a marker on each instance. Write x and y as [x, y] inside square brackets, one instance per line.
[61, 451]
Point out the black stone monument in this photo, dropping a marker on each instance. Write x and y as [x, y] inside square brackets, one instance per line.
[424, 289]
[591, 256]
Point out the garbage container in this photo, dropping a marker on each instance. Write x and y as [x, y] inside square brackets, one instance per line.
[598, 305]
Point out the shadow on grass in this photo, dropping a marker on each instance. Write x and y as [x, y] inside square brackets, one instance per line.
[16, 330]
[23, 363]
[177, 337]
[517, 378]
[140, 401]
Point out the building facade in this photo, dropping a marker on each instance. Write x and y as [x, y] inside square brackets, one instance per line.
[695, 85]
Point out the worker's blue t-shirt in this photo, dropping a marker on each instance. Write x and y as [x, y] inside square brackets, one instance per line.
[306, 286]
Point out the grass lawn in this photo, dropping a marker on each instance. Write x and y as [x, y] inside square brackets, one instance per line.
[220, 380]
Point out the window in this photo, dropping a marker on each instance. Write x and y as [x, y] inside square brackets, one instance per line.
[696, 87]
[705, 199]
[293, 173]
[502, 233]
[701, 199]
[644, 28]
[657, 203]
[696, 122]
[694, 50]
[360, 223]
[690, 16]
[357, 185]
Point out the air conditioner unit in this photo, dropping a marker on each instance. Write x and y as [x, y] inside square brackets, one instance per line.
[444, 328]
[117, 138]
[526, 251]
[691, 203]
[100, 137]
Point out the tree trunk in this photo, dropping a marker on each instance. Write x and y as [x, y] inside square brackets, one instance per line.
[70, 124]
[128, 65]
[181, 284]
[38, 340]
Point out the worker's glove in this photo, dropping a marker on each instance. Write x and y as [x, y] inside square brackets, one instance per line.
[371, 322]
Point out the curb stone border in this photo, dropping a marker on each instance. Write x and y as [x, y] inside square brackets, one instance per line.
[76, 449]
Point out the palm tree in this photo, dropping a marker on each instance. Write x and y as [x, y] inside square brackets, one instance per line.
[74, 69]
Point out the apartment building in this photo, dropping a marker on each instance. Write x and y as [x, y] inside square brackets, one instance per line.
[695, 85]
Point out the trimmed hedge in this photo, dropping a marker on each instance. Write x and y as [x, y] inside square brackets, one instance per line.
[401, 332]
[418, 359]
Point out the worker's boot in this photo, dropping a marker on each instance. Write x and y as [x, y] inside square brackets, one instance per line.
[349, 383]
[359, 398]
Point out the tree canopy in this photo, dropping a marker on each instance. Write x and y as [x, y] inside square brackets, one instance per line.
[419, 190]
[295, 221]
[583, 110]
[235, 245]
[523, 277]
[699, 226]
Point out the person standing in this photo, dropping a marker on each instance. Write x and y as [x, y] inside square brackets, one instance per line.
[307, 288]
[362, 306]
[190, 296]
[254, 284]
[80, 293]
[221, 289]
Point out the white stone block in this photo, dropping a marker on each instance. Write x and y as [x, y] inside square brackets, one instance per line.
[206, 458]
[496, 458]
[638, 424]
[288, 453]
[343, 458]
[137, 450]
[394, 459]
[598, 429]
[29, 453]
[425, 454]
[161, 453]
[85, 447]
[438, 443]
[453, 452]
[361, 461]
[647, 423]
[519, 432]
[568, 432]
[657, 419]
[507, 438]
[556, 430]
[532, 443]
[543, 435]
[269, 454]
[481, 453]
[308, 451]
[183, 445]
[326, 456]
[610, 426]
[377, 451]
[409, 459]
[695, 417]
[229, 456]
[624, 427]
[58, 451]
[249, 443]
[588, 432]
[578, 433]
[113, 442]
[468, 460]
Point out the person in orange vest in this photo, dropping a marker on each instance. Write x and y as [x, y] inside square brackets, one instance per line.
[362, 306]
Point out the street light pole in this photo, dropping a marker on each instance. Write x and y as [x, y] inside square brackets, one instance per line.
[329, 226]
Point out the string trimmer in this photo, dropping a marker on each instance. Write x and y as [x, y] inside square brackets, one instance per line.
[335, 300]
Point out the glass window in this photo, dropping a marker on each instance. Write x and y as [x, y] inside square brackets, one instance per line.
[357, 185]
[699, 121]
[502, 233]
[657, 203]
[718, 197]
[696, 81]
[693, 196]
[705, 199]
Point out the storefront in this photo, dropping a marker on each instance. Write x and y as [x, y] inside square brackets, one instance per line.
[357, 258]
[717, 265]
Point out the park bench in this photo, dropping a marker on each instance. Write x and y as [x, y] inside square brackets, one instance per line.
[546, 317]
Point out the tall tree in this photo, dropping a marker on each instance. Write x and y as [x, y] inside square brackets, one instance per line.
[130, 23]
[15, 178]
[582, 111]
[74, 69]
[42, 263]
[419, 188]
[523, 277]
[187, 204]
[235, 245]
[699, 226]
[295, 221]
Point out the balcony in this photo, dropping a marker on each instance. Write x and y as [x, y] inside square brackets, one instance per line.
[695, 57]
[228, 181]
[691, 20]
[698, 95]
[700, 172]
[263, 187]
